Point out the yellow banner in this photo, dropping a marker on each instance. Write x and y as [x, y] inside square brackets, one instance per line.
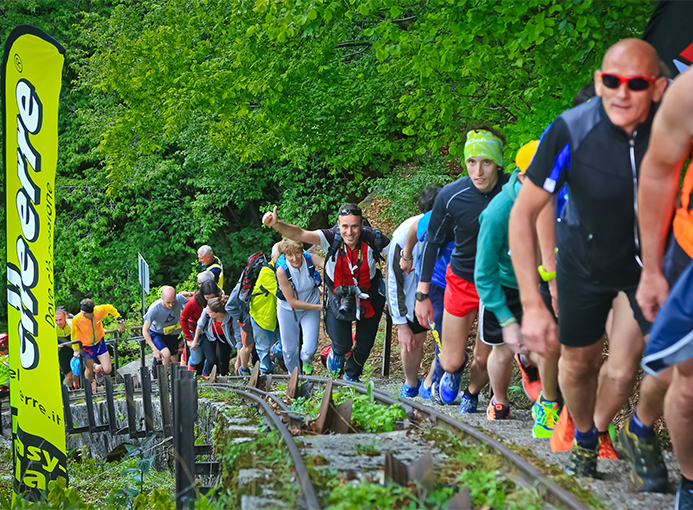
[31, 80]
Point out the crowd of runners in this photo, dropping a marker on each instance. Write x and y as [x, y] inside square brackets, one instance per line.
[585, 248]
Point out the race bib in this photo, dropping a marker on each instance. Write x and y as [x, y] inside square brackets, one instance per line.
[170, 329]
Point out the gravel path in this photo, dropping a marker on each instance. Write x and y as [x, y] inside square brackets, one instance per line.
[613, 486]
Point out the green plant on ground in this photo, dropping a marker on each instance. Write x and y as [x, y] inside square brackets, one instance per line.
[367, 414]
[144, 453]
[367, 449]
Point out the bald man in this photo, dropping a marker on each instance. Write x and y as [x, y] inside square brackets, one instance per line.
[596, 150]
[161, 327]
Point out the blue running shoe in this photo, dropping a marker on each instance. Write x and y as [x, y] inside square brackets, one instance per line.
[409, 391]
[449, 387]
[468, 404]
[244, 371]
[334, 363]
[347, 378]
[425, 392]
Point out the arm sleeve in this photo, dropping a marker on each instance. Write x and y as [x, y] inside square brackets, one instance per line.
[438, 235]
[486, 269]
[202, 321]
[108, 310]
[549, 167]
[184, 322]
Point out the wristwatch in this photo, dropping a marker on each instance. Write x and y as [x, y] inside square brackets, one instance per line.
[401, 254]
[420, 296]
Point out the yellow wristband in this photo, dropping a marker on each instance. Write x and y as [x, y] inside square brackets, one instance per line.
[547, 276]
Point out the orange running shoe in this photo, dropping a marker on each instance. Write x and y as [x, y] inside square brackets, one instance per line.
[606, 447]
[497, 411]
[530, 379]
[563, 433]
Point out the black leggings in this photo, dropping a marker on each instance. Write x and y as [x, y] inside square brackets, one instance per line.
[366, 329]
[223, 356]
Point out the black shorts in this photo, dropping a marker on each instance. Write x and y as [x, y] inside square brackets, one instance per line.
[64, 357]
[415, 327]
[584, 306]
[490, 331]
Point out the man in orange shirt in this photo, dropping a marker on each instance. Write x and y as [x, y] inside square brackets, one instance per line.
[88, 329]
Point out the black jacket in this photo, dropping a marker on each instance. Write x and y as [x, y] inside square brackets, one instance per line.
[597, 235]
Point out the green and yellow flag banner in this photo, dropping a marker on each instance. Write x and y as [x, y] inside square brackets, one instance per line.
[31, 79]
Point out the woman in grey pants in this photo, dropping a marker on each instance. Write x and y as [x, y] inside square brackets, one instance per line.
[300, 305]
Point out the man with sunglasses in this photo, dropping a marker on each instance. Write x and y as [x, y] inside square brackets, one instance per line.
[596, 149]
[352, 281]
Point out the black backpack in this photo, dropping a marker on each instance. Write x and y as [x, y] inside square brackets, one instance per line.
[377, 246]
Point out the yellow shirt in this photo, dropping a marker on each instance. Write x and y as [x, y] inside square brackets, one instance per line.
[263, 305]
[65, 334]
[90, 331]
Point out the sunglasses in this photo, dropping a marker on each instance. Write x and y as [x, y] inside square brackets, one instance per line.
[347, 210]
[635, 83]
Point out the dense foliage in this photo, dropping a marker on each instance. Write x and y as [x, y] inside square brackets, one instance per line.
[181, 120]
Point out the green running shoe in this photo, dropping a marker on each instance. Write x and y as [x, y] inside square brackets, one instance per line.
[307, 367]
[545, 416]
[647, 469]
[582, 461]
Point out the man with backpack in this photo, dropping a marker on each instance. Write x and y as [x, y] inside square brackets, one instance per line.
[352, 281]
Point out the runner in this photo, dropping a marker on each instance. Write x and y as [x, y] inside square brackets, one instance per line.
[88, 329]
[161, 327]
[201, 349]
[205, 255]
[500, 312]
[298, 309]
[594, 148]
[455, 217]
[670, 342]
[401, 287]
[263, 312]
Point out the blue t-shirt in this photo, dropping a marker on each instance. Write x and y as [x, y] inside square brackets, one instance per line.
[441, 266]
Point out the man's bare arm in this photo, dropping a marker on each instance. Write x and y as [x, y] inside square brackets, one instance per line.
[670, 145]
[294, 232]
[408, 249]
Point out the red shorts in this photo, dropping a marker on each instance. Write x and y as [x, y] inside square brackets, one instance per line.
[460, 295]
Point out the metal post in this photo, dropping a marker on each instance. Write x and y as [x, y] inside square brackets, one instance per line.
[110, 404]
[115, 353]
[144, 312]
[184, 415]
[132, 410]
[164, 399]
[90, 405]
[147, 401]
[388, 343]
[67, 411]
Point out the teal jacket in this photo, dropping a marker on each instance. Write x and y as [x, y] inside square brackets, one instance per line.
[493, 267]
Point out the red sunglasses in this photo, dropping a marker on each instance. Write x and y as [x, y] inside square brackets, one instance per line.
[635, 83]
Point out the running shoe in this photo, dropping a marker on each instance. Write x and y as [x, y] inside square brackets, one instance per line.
[497, 411]
[409, 391]
[606, 447]
[545, 416]
[449, 387]
[530, 379]
[468, 405]
[684, 499]
[563, 433]
[647, 469]
[334, 363]
[425, 392]
[98, 375]
[347, 378]
[582, 461]
[307, 367]
[244, 371]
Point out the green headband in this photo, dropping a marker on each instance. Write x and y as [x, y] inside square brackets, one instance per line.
[483, 144]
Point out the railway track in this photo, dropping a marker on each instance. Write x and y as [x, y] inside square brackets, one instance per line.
[294, 426]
